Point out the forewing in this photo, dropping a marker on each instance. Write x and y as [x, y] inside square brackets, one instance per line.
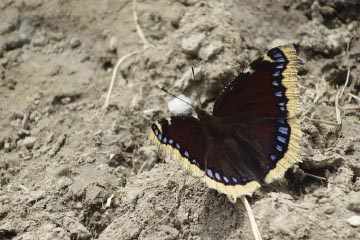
[260, 105]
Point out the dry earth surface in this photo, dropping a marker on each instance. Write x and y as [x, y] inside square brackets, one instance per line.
[66, 174]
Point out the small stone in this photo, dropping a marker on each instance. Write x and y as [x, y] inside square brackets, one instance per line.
[36, 196]
[113, 43]
[211, 50]
[191, 45]
[16, 43]
[116, 160]
[323, 200]
[176, 106]
[65, 100]
[75, 42]
[57, 145]
[39, 42]
[329, 210]
[65, 182]
[56, 36]
[29, 142]
[7, 147]
[354, 221]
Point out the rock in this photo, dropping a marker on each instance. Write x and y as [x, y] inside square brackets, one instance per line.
[191, 45]
[35, 196]
[39, 42]
[354, 221]
[353, 202]
[92, 192]
[329, 210]
[75, 42]
[65, 182]
[315, 38]
[7, 147]
[176, 106]
[113, 43]
[58, 144]
[16, 43]
[211, 50]
[29, 142]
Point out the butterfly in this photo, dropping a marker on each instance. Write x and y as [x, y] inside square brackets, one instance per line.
[252, 136]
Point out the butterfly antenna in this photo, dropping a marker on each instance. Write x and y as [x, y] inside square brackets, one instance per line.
[197, 90]
[163, 89]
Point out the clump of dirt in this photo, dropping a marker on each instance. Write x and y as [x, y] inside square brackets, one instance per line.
[66, 174]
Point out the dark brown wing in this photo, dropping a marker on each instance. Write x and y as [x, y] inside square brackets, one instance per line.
[260, 105]
[206, 155]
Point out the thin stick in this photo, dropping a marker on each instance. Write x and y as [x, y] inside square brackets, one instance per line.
[324, 121]
[314, 176]
[138, 28]
[254, 226]
[121, 60]
[354, 96]
[350, 108]
[337, 110]
[348, 69]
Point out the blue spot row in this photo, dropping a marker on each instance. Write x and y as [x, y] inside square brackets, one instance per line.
[224, 179]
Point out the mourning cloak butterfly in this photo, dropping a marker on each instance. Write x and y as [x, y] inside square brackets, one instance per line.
[252, 136]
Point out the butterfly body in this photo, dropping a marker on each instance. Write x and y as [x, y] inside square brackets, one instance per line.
[252, 135]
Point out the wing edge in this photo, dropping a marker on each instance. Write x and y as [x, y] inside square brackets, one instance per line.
[232, 191]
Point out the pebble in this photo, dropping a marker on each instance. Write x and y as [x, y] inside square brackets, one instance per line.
[354, 221]
[211, 50]
[113, 43]
[7, 147]
[65, 182]
[39, 42]
[58, 144]
[75, 42]
[36, 196]
[191, 45]
[329, 210]
[29, 142]
[16, 43]
[176, 106]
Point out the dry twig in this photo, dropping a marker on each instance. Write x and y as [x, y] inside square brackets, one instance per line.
[253, 224]
[146, 45]
[339, 95]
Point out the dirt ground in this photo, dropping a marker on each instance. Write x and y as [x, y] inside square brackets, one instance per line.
[65, 173]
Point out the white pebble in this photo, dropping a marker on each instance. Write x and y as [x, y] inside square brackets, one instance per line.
[354, 221]
[176, 106]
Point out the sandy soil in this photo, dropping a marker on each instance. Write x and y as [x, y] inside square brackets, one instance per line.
[64, 174]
